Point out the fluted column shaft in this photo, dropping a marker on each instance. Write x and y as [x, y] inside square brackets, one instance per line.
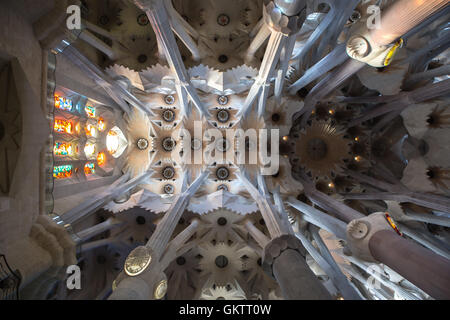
[160, 238]
[404, 15]
[296, 280]
[427, 270]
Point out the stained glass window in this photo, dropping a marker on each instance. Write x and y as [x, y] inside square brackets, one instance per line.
[112, 142]
[89, 150]
[89, 168]
[62, 149]
[101, 159]
[101, 124]
[91, 131]
[116, 143]
[63, 126]
[90, 111]
[62, 172]
[63, 103]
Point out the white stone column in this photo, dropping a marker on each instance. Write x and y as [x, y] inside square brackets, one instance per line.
[93, 231]
[157, 14]
[97, 201]
[256, 234]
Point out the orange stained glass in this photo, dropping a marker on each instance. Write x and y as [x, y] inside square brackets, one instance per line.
[90, 130]
[63, 126]
[62, 149]
[62, 172]
[101, 158]
[89, 168]
[392, 223]
[101, 124]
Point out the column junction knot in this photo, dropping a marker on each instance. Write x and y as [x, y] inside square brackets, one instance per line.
[360, 231]
[278, 22]
[276, 247]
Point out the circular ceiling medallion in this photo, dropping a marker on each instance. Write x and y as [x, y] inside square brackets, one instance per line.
[160, 290]
[168, 115]
[223, 19]
[138, 260]
[168, 172]
[169, 189]
[169, 144]
[223, 116]
[317, 149]
[169, 99]
[223, 100]
[222, 173]
[142, 144]
[142, 20]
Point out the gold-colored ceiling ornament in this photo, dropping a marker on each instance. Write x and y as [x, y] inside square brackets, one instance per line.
[114, 285]
[137, 261]
[160, 290]
[321, 149]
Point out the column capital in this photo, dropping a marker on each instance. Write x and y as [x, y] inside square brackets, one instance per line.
[360, 231]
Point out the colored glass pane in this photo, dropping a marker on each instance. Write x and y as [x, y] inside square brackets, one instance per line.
[63, 126]
[62, 149]
[63, 103]
[90, 111]
[101, 124]
[101, 159]
[89, 150]
[90, 130]
[89, 168]
[62, 172]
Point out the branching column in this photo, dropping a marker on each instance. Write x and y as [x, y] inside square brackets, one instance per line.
[284, 255]
[373, 239]
[282, 29]
[397, 192]
[159, 18]
[144, 277]
[115, 90]
[116, 189]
